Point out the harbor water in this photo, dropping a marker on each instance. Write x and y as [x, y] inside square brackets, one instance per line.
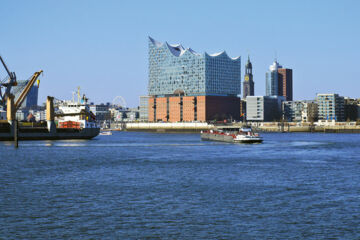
[175, 186]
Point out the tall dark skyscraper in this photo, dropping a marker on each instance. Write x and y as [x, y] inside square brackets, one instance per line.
[285, 83]
[248, 80]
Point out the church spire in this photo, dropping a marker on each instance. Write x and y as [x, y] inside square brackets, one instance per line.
[248, 67]
[248, 86]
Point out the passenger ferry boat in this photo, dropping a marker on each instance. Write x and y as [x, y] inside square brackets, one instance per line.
[235, 135]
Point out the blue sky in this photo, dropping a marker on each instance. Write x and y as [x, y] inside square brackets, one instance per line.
[102, 46]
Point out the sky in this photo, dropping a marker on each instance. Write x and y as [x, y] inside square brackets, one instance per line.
[102, 46]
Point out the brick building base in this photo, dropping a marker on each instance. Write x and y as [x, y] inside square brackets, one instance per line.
[193, 108]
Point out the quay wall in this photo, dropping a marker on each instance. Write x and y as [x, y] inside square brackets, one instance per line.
[260, 127]
[321, 129]
[334, 127]
[168, 127]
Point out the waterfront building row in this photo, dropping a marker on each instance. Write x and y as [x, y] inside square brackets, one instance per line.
[326, 107]
[300, 111]
[188, 86]
[275, 108]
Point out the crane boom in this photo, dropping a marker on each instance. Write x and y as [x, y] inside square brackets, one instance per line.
[12, 75]
[6, 68]
[8, 85]
[26, 90]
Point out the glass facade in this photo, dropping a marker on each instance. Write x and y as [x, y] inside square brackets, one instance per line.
[272, 87]
[174, 69]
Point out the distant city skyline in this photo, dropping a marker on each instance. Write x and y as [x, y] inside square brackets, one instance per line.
[102, 47]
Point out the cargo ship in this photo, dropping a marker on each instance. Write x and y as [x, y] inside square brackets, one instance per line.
[43, 133]
[234, 135]
[74, 121]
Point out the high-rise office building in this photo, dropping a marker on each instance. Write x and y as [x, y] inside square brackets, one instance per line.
[279, 81]
[248, 85]
[187, 86]
[285, 83]
[272, 82]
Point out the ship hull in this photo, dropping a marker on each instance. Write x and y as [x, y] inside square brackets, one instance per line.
[249, 141]
[216, 137]
[60, 134]
[227, 138]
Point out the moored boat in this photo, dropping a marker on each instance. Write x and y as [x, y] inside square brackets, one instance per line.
[106, 133]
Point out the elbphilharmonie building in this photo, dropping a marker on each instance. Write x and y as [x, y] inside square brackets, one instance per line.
[188, 86]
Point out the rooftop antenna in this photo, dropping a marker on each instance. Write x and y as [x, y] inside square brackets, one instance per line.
[275, 56]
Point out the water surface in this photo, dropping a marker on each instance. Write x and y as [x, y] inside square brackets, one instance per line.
[175, 186]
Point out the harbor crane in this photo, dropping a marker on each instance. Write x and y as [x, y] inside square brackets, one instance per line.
[7, 85]
[26, 90]
[12, 82]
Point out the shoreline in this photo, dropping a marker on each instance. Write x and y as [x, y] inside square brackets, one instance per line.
[264, 127]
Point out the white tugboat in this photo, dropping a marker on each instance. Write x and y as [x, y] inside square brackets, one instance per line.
[235, 135]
